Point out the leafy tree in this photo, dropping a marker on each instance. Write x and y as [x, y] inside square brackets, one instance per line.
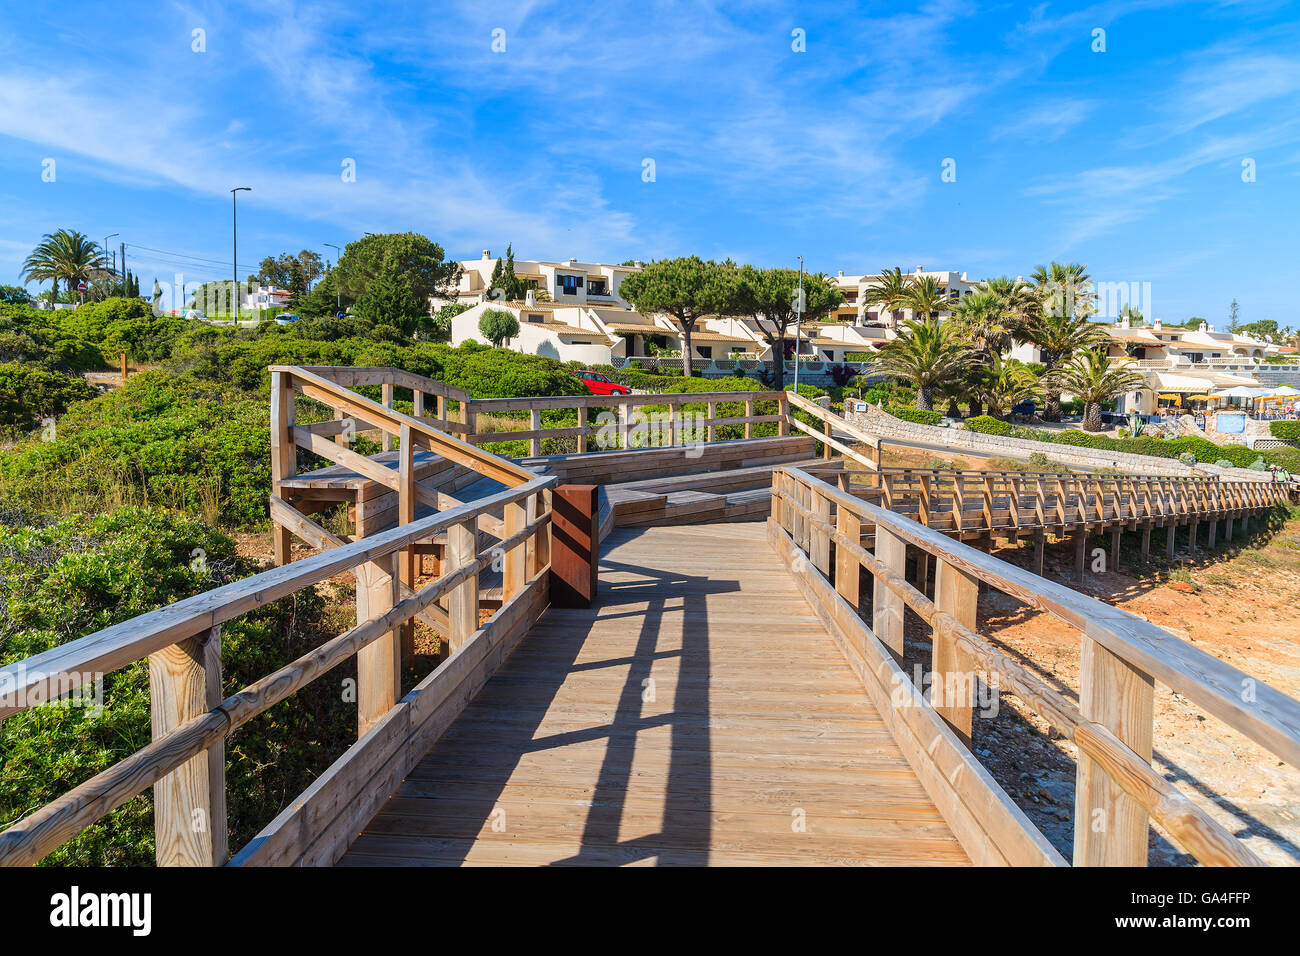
[1264, 329]
[925, 354]
[1134, 316]
[415, 257]
[64, 256]
[14, 295]
[497, 325]
[505, 286]
[285, 271]
[687, 289]
[390, 300]
[771, 296]
[1234, 311]
[1091, 377]
[986, 322]
[1018, 299]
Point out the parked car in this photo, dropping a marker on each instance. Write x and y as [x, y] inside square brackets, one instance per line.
[285, 318]
[598, 384]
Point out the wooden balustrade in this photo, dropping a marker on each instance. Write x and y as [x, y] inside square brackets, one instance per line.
[1122, 655]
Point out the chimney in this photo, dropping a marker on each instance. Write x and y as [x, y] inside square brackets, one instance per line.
[841, 273]
[918, 270]
[487, 253]
[963, 278]
[530, 297]
[572, 261]
[637, 263]
[1123, 320]
[1157, 324]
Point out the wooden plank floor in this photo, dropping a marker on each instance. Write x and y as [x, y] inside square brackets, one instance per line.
[700, 714]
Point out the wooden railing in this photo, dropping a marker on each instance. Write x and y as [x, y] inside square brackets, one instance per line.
[1007, 501]
[672, 429]
[819, 529]
[190, 720]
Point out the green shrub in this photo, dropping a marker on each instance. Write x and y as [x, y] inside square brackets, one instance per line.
[29, 392]
[1287, 431]
[919, 415]
[158, 440]
[67, 579]
[988, 425]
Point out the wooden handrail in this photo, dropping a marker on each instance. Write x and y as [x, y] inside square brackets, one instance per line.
[174, 752]
[1272, 719]
[1266, 716]
[54, 672]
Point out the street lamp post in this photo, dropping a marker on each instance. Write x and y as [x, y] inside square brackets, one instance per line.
[105, 249]
[338, 293]
[234, 248]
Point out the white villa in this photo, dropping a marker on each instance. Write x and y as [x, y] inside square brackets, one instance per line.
[566, 283]
[855, 309]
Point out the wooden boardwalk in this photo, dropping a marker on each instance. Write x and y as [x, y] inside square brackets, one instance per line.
[698, 714]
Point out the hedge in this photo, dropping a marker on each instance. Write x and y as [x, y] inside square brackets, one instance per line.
[1287, 431]
[988, 425]
[919, 415]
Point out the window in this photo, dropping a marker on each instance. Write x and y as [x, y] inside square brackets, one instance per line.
[597, 287]
[568, 285]
[534, 317]
[851, 295]
[706, 351]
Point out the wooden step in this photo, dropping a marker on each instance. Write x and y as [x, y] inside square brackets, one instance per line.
[681, 507]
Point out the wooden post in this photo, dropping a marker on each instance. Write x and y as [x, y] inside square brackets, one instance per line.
[819, 538]
[405, 515]
[284, 455]
[1227, 529]
[387, 392]
[379, 663]
[847, 566]
[1040, 552]
[462, 611]
[1193, 530]
[1146, 544]
[955, 593]
[1115, 535]
[713, 414]
[124, 369]
[575, 541]
[783, 409]
[582, 423]
[826, 448]
[749, 413]
[512, 563]
[1169, 540]
[535, 425]
[1213, 532]
[538, 550]
[1110, 827]
[190, 802]
[887, 613]
[1080, 553]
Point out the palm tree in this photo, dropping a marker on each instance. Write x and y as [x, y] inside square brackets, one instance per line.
[1019, 299]
[1059, 337]
[63, 256]
[1092, 377]
[1064, 289]
[927, 297]
[985, 321]
[927, 354]
[1005, 384]
[889, 292]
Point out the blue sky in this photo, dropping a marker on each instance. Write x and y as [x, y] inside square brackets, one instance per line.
[1129, 160]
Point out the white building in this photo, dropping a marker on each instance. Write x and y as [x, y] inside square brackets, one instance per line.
[564, 283]
[261, 299]
[855, 308]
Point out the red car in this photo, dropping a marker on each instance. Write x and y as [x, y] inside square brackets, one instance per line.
[598, 384]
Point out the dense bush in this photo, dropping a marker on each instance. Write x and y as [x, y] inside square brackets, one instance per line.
[29, 392]
[67, 579]
[1287, 431]
[158, 440]
[919, 415]
[988, 425]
